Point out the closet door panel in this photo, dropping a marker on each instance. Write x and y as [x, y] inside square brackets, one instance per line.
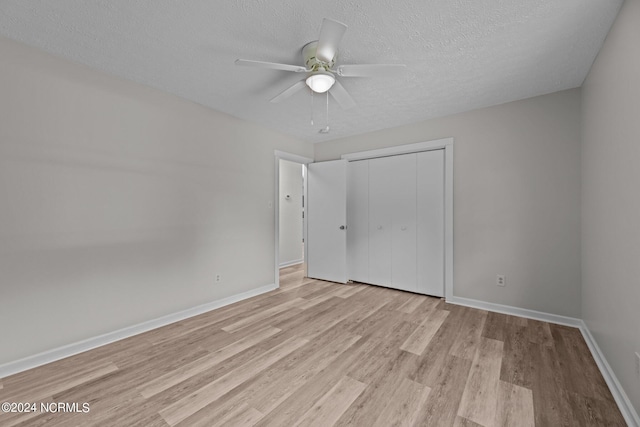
[403, 235]
[380, 212]
[358, 221]
[430, 222]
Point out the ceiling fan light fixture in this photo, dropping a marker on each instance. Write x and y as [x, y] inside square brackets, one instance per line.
[320, 82]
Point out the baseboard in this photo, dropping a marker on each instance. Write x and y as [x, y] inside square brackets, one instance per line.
[290, 263]
[517, 311]
[49, 356]
[624, 404]
[619, 395]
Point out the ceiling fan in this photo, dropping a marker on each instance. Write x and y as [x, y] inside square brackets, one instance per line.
[319, 57]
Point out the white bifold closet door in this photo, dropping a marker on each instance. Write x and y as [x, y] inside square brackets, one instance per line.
[392, 224]
[380, 212]
[395, 213]
[358, 221]
[430, 222]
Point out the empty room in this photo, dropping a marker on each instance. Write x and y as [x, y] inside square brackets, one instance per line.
[320, 213]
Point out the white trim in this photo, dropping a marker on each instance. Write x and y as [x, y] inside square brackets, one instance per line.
[622, 400]
[276, 205]
[436, 144]
[290, 263]
[49, 356]
[516, 311]
[305, 224]
[399, 149]
[448, 218]
[292, 157]
[624, 404]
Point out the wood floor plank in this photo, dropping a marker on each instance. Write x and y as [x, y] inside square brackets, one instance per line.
[479, 400]
[262, 315]
[244, 358]
[297, 403]
[200, 398]
[590, 412]
[447, 388]
[494, 326]
[326, 411]
[386, 353]
[315, 352]
[361, 312]
[468, 338]
[550, 406]
[404, 405]
[539, 332]
[515, 406]
[347, 291]
[464, 422]
[324, 320]
[188, 370]
[412, 303]
[310, 303]
[308, 288]
[38, 389]
[517, 321]
[386, 379]
[579, 371]
[277, 383]
[437, 355]
[242, 416]
[419, 340]
[12, 419]
[274, 387]
[517, 365]
[428, 306]
[131, 410]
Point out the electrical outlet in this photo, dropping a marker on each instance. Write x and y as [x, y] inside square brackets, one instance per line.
[638, 366]
[218, 278]
[501, 280]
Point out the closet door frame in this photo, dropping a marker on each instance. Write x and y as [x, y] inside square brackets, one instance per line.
[437, 144]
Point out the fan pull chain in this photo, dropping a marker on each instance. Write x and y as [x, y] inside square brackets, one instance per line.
[327, 128]
[311, 108]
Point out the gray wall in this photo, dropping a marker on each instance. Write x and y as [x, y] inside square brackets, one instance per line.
[290, 230]
[120, 204]
[611, 198]
[516, 197]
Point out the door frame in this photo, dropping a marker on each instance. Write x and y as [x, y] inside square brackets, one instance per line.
[304, 161]
[436, 144]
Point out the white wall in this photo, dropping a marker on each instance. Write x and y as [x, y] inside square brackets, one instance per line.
[290, 241]
[611, 198]
[120, 203]
[516, 197]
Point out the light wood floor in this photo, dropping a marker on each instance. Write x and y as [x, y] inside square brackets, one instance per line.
[322, 354]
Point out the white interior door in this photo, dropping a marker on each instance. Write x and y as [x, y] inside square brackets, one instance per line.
[326, 221]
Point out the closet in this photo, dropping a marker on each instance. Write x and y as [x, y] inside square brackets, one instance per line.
[395, 217]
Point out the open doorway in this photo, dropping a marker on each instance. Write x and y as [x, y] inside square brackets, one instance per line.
[291, 213]
[290, 221]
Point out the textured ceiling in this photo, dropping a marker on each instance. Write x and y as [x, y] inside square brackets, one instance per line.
[460, 54]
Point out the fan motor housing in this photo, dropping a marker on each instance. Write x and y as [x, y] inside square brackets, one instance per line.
[310, 60]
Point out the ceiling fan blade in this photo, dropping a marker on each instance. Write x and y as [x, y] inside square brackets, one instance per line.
[290, 91]
[341, 95]
[330, 35]
[271, 65]
[369, 70]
